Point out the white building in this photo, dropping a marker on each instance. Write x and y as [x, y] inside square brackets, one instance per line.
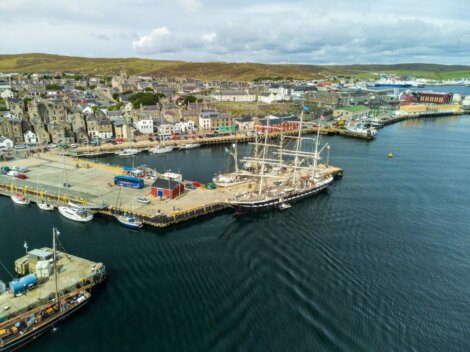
[6, 143]
[234, 96]
[205, 119]
[30, 137]
[6, 93]
[166, 130]
[144, 126]
[185, 127]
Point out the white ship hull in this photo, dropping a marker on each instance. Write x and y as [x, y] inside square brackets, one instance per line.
[161, 150]
[45, 206]
[20, 200]
[75, 214]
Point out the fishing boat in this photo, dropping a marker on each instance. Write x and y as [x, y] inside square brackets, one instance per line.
[45, 206]
[284, 206]
[127, 152]
[190, 146]
[369, 132]
[18, 331]
[161, 149]
[129, 221]
[281, 174]
[75, 213]
[231, 178]
[20, 199]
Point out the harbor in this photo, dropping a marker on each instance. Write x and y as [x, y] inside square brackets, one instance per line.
[92, 186]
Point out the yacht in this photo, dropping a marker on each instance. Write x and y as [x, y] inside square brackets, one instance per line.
[190, 146]
[76, 213]
[20, 199]
[370, 132]
[129, 221]
[127, 152]
[45, 206]
[161, 149]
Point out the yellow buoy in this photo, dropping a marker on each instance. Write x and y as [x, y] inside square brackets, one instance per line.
[390, 155]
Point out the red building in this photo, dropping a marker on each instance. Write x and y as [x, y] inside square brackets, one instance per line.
[166, 188]
[435, 98]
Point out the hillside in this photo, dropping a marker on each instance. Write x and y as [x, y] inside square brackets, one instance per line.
[32, 63]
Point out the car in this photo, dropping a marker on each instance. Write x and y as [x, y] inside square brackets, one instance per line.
[20, 146]
[190, 186]
[73, 146]
[52, 146]
[21, 176]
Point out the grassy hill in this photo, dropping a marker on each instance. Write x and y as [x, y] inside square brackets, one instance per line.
[32, 63]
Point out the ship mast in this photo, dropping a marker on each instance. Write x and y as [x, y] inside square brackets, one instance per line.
[297, 148]
[56, 278]
[263, 165]
[315, 155]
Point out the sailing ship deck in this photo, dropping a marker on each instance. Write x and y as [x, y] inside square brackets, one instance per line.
[73, 271]
[91, 185]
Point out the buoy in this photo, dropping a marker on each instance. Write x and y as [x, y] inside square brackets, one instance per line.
[390, 155]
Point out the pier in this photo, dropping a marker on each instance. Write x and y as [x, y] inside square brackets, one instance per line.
[74, 272]
[91, 186]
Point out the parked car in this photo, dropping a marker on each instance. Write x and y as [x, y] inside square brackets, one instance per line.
[22, 176]
[190, 186]
[20, 146]
[73, 146]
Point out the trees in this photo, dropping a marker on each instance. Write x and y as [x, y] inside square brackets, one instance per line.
[116, 96]
[144, 98]
[53, 87]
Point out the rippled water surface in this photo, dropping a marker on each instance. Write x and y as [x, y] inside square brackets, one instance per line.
[381, 262]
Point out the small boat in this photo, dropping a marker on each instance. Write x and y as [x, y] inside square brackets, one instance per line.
[20, 199]
[45, 206]
[190, 146]
[127, 152]
[161, 149]
[143, 200]
[284, 206]
[390, 155]
[227, 180]
[75, 213]
[129, 221]
[362, 130]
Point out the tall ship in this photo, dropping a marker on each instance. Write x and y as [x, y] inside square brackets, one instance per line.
[283, 171]
[25, 325]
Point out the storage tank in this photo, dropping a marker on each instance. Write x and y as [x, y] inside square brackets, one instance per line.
[23, 284]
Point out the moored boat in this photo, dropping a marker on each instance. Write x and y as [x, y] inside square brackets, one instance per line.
[129, 221]
[127, 152]
[45, 206]
[20, 199]
[190, 146]
[75, 213]
[161, 149]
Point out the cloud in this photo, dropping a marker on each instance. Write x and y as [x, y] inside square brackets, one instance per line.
[273, 31]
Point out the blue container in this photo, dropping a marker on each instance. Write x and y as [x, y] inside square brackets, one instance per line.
[22, 285]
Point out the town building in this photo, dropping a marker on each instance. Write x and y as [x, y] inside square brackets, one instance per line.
[354, 112]
[166, 188]
[435, 98]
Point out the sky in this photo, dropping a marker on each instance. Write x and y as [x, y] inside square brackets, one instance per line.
[266, 31]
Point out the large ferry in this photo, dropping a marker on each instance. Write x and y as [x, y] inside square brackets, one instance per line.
[282, 174]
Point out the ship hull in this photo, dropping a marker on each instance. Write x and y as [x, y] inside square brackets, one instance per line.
[27, 338]
[244, 208]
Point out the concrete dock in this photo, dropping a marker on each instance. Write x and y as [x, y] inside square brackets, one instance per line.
[73, 271]
[92, 185]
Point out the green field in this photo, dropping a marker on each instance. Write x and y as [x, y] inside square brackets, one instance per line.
[37, 63]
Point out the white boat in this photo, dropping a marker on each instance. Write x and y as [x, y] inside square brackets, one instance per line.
[75, 213]
[190, 146]
[362, 130]
[20, 199]
[227, 180]
[284, 206]
[45, 206]
[161, 149]
[129, 221]
[127, 152]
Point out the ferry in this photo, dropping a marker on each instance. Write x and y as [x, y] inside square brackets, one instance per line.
[76, 213]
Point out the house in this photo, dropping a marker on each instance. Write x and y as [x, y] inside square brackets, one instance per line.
[7, 93]
[185, 127]
[144, 126]
[10, 127]
[30, 137]
[234, 96]
[245, 123]
[100, 128]
[166, 188]
[166, 130]
[6, 143]
[348, 113]
[273, 123]
[214, 121]
[123, 129]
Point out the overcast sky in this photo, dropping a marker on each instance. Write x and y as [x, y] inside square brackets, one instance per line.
[270, 31]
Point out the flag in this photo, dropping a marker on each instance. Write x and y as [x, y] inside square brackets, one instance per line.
[25, 245]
